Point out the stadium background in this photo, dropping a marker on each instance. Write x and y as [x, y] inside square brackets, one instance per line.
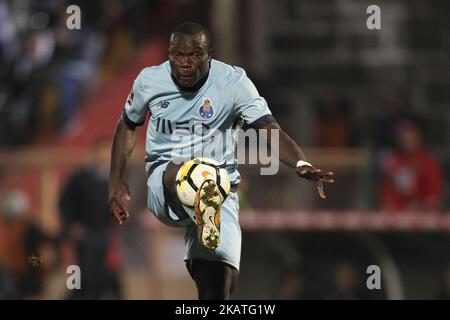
[336, 87]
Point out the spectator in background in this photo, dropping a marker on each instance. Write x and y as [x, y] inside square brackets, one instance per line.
[334, 127]
[292, 286]
[22, 260]
[444, 290]
[397, 108]
[411, 178]
[87, 225]
[347, 284]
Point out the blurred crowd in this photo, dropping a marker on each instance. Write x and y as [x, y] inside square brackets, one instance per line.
[87, 237]
[345, 281]
[47, 69]
[22, 248]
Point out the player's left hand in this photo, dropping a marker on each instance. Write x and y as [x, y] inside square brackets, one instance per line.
[315, 174]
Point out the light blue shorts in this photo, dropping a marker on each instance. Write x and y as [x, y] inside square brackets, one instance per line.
[229, 250]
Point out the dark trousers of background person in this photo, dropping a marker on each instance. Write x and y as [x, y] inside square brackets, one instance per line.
[97, 280]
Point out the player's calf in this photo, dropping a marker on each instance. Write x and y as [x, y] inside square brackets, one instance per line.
[215, 280]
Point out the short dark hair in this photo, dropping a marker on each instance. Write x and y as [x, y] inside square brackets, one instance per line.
[192, 28]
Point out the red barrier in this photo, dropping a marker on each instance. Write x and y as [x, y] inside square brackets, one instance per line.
[333, 220]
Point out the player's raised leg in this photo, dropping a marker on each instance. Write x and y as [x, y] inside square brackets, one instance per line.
[206, 211]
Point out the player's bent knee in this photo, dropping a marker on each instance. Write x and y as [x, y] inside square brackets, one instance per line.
[170, 176]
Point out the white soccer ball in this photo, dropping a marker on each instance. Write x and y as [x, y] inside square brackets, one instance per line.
[194, 172]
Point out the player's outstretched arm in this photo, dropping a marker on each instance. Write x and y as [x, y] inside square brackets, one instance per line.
[291, 155]
[122, 147]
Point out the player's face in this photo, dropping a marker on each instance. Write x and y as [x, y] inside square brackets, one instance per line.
[189, 58]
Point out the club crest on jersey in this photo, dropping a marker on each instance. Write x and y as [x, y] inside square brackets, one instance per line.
[206, 110]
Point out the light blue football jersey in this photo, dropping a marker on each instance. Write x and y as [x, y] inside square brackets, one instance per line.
[204, 123]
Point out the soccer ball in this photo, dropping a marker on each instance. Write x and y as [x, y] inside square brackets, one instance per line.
[192, 174]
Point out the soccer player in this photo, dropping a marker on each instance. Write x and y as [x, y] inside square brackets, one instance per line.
[188, 89]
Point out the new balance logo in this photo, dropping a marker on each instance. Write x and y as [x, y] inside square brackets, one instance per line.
[164, 104]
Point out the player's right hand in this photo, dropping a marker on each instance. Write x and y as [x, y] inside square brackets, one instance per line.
[118, 193]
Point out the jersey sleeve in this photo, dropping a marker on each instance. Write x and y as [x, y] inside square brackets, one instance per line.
[250, 106]
[136, 105]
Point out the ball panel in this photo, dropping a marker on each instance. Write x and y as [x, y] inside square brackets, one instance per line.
[193, 173]
[203, 172]
[186, 193]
